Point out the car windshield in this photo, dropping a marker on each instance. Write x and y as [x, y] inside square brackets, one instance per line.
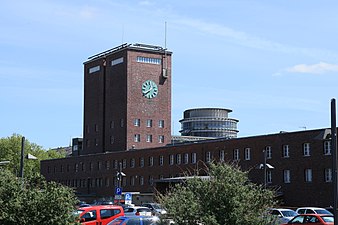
[78, 212]
[328, 218]
[322, 211]
[289, 213]
[157, 206]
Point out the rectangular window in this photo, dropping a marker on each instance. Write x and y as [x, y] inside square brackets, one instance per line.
[178, 159]
[193, 158]
[221, 156]
[132, 163]
[247, 154]
[328, 175]
[306, 149]
[107, 165]
[149, 138]
[141, 180]
[137, 122]
[186, 158]
[171, 159]
[327, 147]
[94, 69]
[285, 151]
[268, 152]
[141, 162]
[132, 181]
[124, 163]
[236, 154]
[137, 138]
[161, 160]
[112, 124]
[142, 59]
[149, 123]
[161, 139]
[117, 61]
[121, 122]
[286, 176]
[96, 128]
[151, 161]
[161, 123]
[269, 176]
[308, 175]
[112, 139]
[208, 157]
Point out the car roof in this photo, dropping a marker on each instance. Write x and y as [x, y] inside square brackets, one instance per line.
[310, 208]
[101, 207]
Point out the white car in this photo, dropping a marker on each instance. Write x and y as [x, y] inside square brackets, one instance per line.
[284, 215]
[312, 210]
[137, 211]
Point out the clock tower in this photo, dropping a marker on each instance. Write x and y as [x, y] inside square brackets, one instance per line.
[127, 99]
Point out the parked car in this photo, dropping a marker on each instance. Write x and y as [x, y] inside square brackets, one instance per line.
[99, 214]
[312, 210]
[137, 211]
[136, 220]
[284, 215]
[156, 208]
[312, 219]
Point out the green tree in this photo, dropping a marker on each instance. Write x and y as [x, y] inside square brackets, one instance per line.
[35, 201]
[10, 149]
[227, 198]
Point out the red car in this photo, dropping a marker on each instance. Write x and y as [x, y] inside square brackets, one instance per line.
[312, 219]
[99, 214]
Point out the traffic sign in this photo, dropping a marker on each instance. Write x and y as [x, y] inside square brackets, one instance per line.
[118, 191]
[128, 198]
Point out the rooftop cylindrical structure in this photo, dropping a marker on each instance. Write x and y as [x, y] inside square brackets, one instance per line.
[208, 122]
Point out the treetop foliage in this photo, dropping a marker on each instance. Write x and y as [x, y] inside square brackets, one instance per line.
[227, 198]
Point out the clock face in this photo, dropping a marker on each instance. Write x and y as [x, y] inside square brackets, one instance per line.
[149, 89]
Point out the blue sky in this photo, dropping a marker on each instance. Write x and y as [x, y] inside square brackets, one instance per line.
[274, 63]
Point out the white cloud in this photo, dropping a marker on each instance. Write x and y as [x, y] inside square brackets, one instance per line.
[319, 68]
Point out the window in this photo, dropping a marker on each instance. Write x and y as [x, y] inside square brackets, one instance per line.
[142, 59]
[178, 159]
[149, 123]
[132, 180]
[94, 69]
[137, 122]
[116, 164]
[161, 139]
[124, 163]
[236, 154]
[112, 139]
[107, 165]
[151, 161]
[327, 147]
[132, 163]
[221, 156]
[121, 122]
[141, 180]
[306, 149]
[151, 180]
[193, 158]
[161, 123]
[285, 151]
[269, 176]
[96, 128]
[99, 165]
[141, 162]
[171, 159]
[208, 157]
[247, 152]
[117, 61]
[76, 168]
[149, 138]
[308, 175]
[328, 175]
[137, 138]
[112, 124]
[161, 160]
[268, 152]
[286, 176]
[186, 158]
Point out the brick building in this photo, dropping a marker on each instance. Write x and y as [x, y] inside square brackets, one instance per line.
[127, 117]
